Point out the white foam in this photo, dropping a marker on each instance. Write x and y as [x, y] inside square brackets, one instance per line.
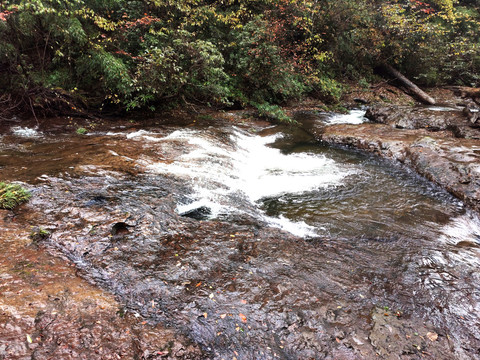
[145, 135]
[462, 229]
[354, 117]
[298, 228]
[26, 132]
[442, 108]
[244, 168]
[265, 172]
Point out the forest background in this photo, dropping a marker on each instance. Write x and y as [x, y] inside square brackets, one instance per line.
[57, 56]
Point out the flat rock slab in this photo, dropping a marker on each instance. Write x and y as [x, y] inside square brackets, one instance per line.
[452, 163]
[462, 121]
[47, 311]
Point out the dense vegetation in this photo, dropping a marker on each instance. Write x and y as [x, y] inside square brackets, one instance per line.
[58, 55]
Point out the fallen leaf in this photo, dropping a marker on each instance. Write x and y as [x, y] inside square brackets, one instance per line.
[223, 316]
[243, 301]
[205, 315]
[200, 283]
[242, 317]
[432, 336]
[29, 339]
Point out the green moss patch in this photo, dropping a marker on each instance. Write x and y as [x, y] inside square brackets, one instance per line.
[12, 195]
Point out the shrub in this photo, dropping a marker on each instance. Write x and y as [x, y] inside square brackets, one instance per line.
[273, 113]
[263, 67]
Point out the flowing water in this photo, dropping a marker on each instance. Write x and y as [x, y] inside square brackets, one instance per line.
[258, 242]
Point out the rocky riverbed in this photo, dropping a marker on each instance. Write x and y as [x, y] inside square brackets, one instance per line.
[147, 265]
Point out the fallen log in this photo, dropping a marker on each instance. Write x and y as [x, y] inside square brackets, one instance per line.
[413, 89]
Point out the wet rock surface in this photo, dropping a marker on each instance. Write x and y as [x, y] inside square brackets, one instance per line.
[450, 162]
[215, 289]
[47, 311]
[244, 291]
[409, 117]
[434, 118]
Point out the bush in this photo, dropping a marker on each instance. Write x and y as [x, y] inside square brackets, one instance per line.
[12, 195]
[179, 66]
[273, 113]
[130, 54]
[263, 68]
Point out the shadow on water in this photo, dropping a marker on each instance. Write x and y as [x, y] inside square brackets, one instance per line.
[286, 249]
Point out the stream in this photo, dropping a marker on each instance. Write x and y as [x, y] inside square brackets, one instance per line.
[255, 241]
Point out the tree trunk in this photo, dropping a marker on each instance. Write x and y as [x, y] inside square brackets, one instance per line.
[411, 87]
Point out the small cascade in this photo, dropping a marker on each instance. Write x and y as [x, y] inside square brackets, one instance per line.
[26, 132]
[354, 117]
[244, 169]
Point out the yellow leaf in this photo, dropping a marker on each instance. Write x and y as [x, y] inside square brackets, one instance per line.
[432, 336]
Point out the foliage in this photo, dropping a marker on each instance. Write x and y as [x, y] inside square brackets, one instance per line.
[12, 195]
[442, 41]
[81, 131]
[273, 113]
[132, 54]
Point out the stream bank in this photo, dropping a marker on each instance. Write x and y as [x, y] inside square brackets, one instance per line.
[441, 143]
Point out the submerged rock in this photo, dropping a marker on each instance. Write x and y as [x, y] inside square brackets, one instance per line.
[200, 213]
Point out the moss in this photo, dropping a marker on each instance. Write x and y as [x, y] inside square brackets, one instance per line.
[39, 234]
[12, 195]
[81, 131]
